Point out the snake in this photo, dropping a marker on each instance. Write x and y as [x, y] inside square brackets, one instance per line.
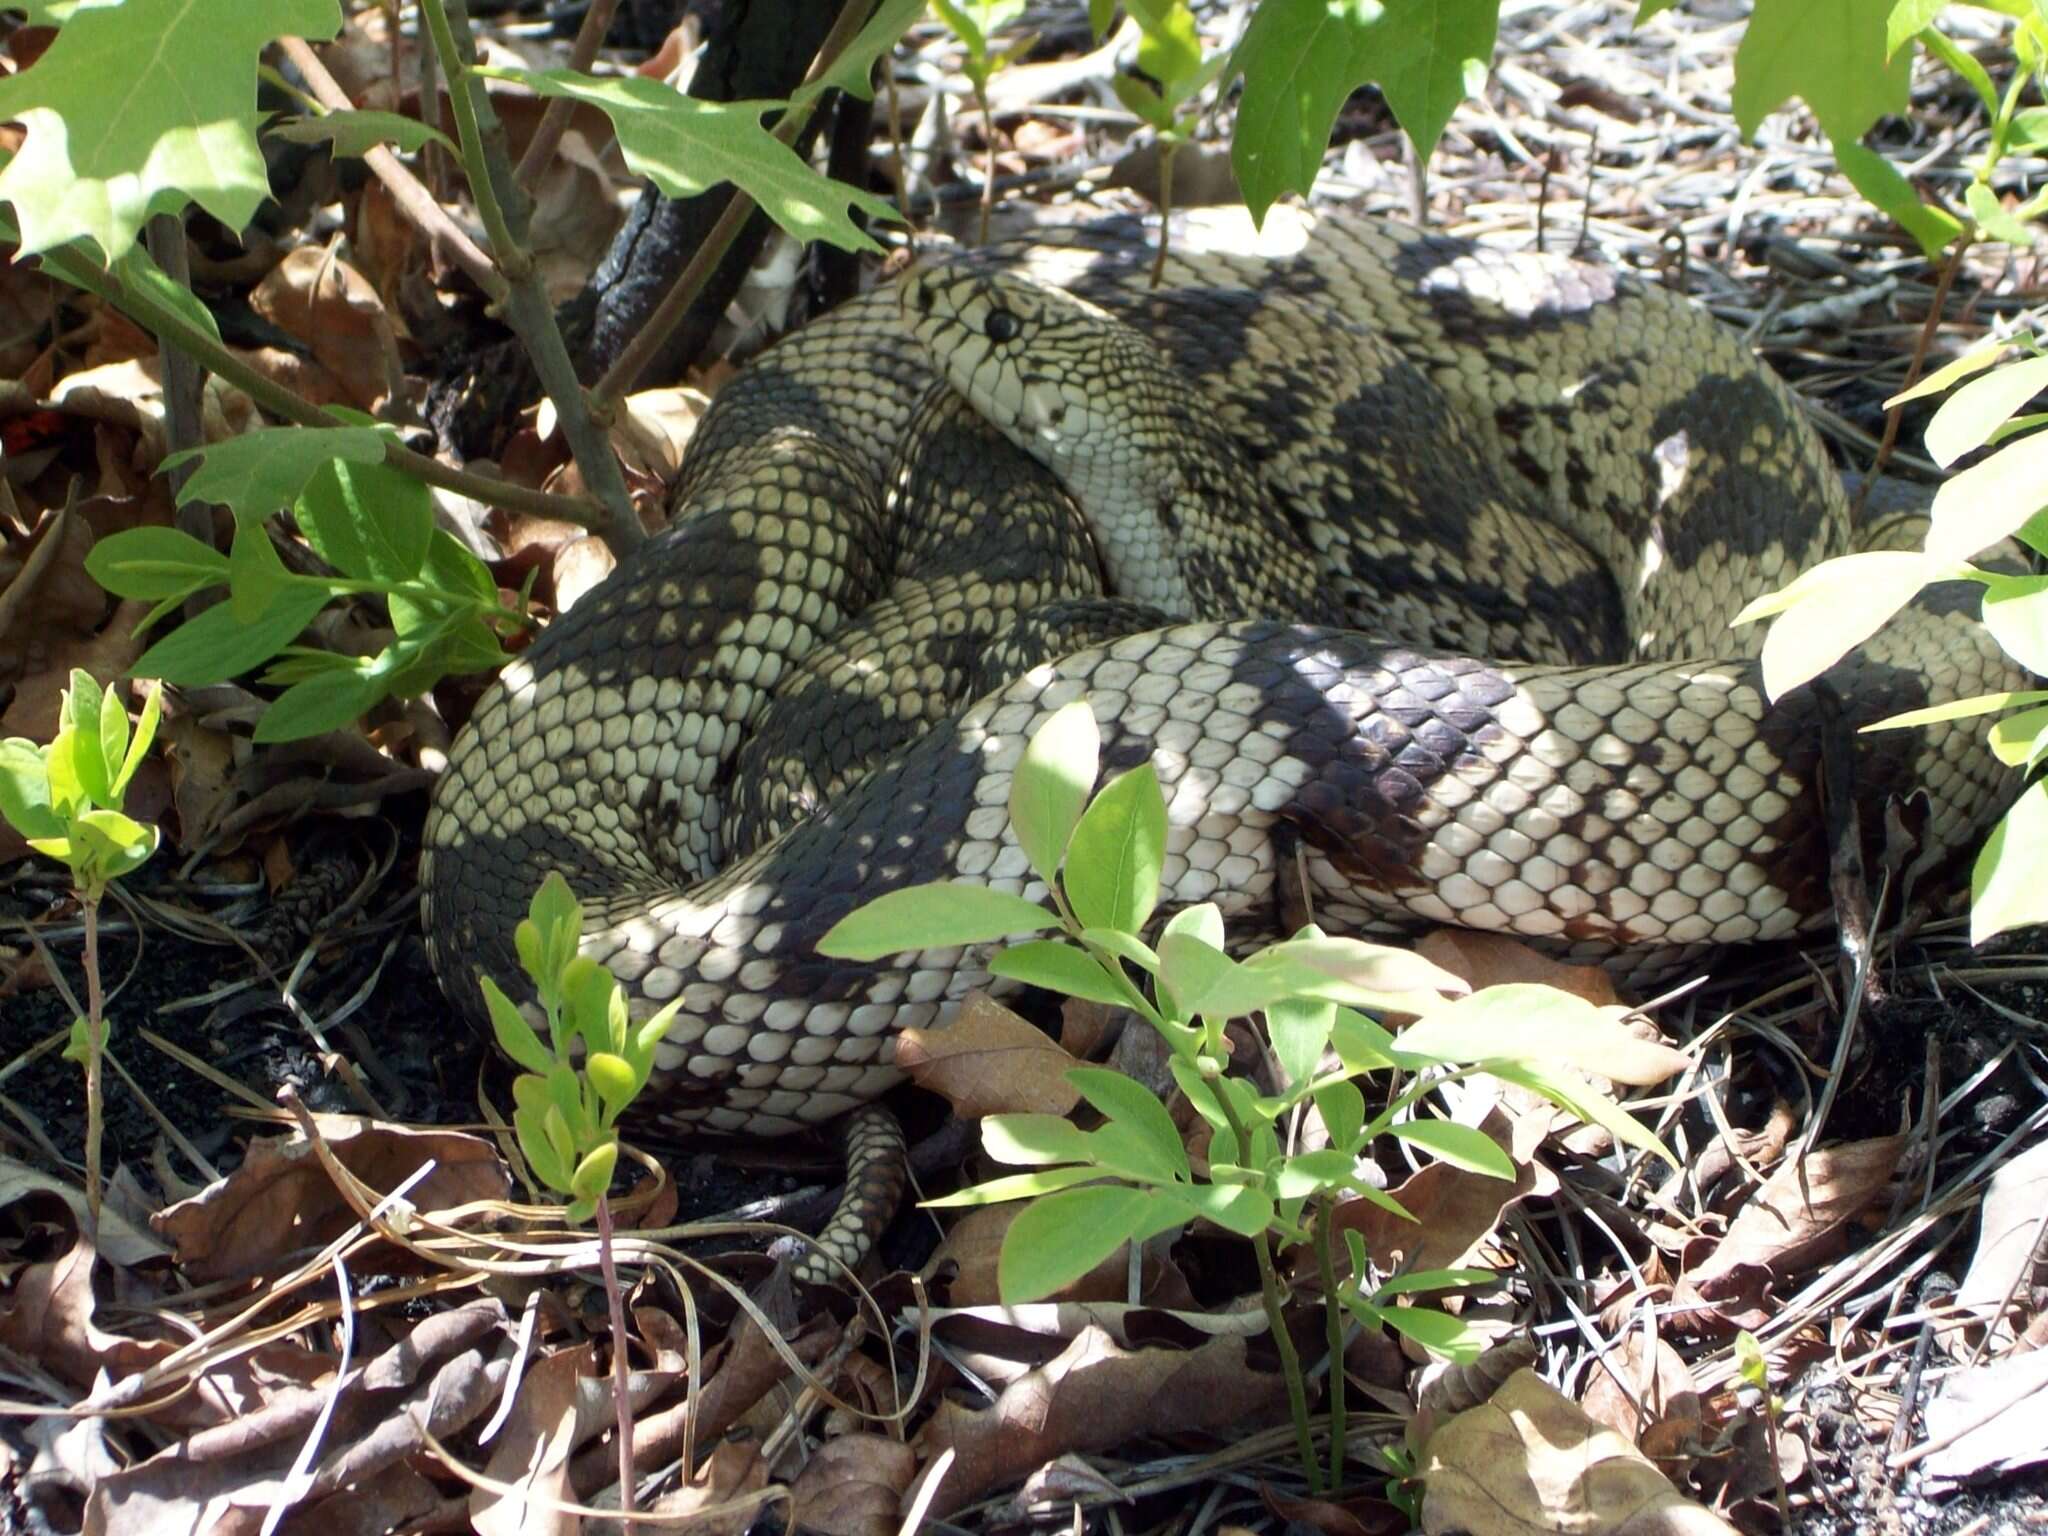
[1407, 561]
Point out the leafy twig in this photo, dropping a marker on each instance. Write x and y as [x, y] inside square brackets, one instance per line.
[507, 214]
[640, 353]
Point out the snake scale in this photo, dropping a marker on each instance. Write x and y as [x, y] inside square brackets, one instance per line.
[1272, 519]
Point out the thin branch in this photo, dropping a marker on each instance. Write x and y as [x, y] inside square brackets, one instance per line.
[540, 149]
[171, 328]
[507, 214]
[412, 197]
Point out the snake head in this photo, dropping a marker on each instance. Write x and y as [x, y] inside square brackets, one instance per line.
[1029, 358]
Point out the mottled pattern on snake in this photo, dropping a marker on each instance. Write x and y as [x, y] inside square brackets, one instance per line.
[1491, 454]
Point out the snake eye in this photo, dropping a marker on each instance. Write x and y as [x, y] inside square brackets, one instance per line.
[1002, 326]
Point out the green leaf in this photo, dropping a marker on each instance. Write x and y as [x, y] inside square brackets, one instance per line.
[1050, 785]
[1966, 420]
[1437, 1332]
[81, 716]
[1880, 182]
[151, 295]
[613, 1078]
[331, 702]
[60, 764]
[964, 27]
[155, 562]
[532, 1122]
[1951, 373]
[1956, 709]
[1142, 102]
[1342, 1107]
[1117, 852]
[2020, 740]
[2016, 614]
[1169, 46]
[941, 915]
[138, 747]
[216, 646]
[256, 573]
[1993, 218]
[356, 133]
[854, 70]
[686, 146]
[1302, 58]
[1124, 946]
[1028, 1141]
[1060, 967]
[1461, 1146]
[259, 473]
[2006, 888]
[107, 845]
[1434, 1280]
[1831, 53]
[1125, 1102]
[1366, 1046]
[516, 1037]
[1202, 921]
[112, 748]
[25, 790]
[1351, 971]
[1521, 1021]
[1057, 1239]
[1204, 981]
[593, 1176]
[1240, 1208]
[139, 108]
[558, 918]
[1299, 1028]
[368, 521]
[1313, 1172]
[1013, 1186]
[1831, 609]
[1906, 20]
[1573, 1093]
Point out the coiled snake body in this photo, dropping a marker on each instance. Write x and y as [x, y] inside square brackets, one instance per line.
[811, 689]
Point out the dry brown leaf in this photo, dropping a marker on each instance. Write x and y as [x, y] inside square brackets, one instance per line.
[1361, 1514]
[854, 1486]
[1629, 1393]
[1455, 1213]
[1992, 1418]
[989, 1061]
[121, 1242]
[579, 566]
[281, 1199]
[718, 1501]
[2008, 1253]
[532, 1449]
[441, 1377]
[1529, 1461]
[1489, 959]
[653, 428]
[322, 301]
[1798, 1219]
[1092, 1397]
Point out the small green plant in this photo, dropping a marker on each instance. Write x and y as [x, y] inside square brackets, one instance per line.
[565, 1114]
[1092, 1190]
[1170, 54]
[1841, 602]
[65, 799]
[975, 23]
